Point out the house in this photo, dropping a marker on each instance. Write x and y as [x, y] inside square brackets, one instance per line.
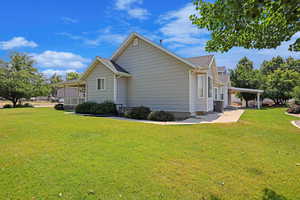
[141, 72]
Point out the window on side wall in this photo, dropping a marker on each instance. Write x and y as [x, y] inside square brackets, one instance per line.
[101, 83]
[201, 84]
[215, 93]
[209, 83]
[222, 93]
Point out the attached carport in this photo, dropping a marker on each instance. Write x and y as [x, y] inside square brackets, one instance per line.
[247, 90]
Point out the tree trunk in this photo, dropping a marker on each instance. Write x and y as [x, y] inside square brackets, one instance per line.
[246, 103]
[14, 102]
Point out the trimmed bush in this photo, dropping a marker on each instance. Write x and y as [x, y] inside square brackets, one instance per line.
[104, 108]
[7, 106]
[294, 109]
[26, 105]
[85, 108]
[59, 106]
[161, 116]
[140, 112]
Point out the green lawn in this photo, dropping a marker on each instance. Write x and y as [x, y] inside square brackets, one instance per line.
[46, 154]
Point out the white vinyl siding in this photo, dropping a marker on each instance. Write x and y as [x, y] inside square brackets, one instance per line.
[97, 95]
[201, 86]
[198, 104]
[157, 80]
[122, 91]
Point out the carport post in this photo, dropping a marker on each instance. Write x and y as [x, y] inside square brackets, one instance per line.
[258, 100]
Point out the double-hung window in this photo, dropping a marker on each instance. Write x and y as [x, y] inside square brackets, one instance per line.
[201, 85]
[209, 83]
[101, 83]
[215, 93]
[222, 93]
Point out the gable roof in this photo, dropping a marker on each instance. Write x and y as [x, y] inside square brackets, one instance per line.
[111, 65]
[134, 35]
[201, 61]
[221, 69]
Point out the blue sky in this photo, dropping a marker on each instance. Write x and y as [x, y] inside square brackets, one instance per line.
[66, 35]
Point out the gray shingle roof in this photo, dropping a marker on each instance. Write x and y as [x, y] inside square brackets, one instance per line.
[114, 65]
[201, 61]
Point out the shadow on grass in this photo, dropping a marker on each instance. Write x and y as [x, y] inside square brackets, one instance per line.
[272, 195]
[268, 194]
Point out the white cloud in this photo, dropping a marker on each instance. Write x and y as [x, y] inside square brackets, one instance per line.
[139, 13]
[105, 36]
[126, 4]
[16, 42]
[177, 27]
[50, 72]
[54, 59]
[68, 20]
[134, 11]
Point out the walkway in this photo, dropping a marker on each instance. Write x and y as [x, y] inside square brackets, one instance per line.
[229, 116]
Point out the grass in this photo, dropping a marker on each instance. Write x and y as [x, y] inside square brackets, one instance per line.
[46, 154]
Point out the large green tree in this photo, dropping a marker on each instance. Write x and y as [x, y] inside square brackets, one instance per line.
[248, 23]
[280, 76]
[54, 80]
[72, 76]
[245, 76]
[279, 84]
[278, 62]
[19, 79]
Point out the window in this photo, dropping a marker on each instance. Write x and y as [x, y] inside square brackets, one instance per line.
[222, 93]
[209, 83]
[201, 84]
[215, 93]
[101, 83]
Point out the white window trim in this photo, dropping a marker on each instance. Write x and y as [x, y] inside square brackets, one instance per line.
[104, 88]
[203, 86]
[212, 87]
[214, 93]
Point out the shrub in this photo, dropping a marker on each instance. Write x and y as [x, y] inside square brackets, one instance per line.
[161, 116]
[7, 106]
[26, 105]
[106, 107]
[59, 106]
[140, 112]
[296, 94]
[85, 108]
[294, 109]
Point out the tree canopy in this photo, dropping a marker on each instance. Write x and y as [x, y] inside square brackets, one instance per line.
[54, 79]
[248, 23]
[72, 76]
[19, 79]
[245, 76]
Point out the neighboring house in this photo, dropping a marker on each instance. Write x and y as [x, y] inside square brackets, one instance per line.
[141, 72]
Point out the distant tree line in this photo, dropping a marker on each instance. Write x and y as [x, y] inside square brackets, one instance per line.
[278, 77]
[19, 79]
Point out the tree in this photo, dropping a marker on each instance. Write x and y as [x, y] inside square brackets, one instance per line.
[19, 79]
[280, 83]
[72, 76]
[54, 79]
[278, 62]
[248, 23]
[245, 76]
